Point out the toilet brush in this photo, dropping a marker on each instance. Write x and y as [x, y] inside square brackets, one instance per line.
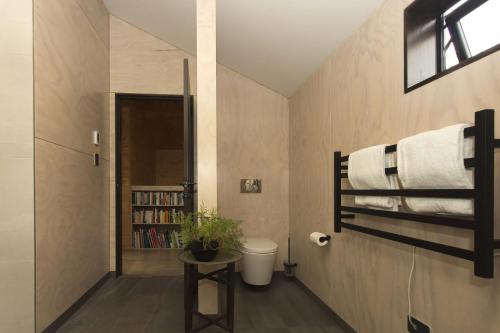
[289, 266]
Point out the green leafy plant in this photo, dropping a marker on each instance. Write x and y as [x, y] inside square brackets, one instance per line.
[208, 226]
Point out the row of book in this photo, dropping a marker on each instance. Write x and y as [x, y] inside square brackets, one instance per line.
[155, 215]
[150, 238]
[142, 198]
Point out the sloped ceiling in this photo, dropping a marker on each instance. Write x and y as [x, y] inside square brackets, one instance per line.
[278, 43]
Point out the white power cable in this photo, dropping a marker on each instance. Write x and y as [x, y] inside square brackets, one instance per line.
[410, 278]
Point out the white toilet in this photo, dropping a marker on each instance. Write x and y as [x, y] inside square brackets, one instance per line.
[259, 255]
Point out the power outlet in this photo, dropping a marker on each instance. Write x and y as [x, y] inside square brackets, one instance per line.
[417, 327]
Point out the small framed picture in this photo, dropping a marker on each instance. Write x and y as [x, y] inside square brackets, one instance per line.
[250, 186]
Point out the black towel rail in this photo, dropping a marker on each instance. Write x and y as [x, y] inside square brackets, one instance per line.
[481, 223]
[429, 219]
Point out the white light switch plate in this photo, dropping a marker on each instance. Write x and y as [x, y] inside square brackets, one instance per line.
[95, 138]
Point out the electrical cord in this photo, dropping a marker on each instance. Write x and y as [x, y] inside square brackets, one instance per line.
[410, 278]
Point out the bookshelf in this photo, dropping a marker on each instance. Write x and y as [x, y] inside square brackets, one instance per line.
[153, 217]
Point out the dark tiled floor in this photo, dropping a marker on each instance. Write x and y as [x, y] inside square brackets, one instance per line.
[155, 304]
[152, 262]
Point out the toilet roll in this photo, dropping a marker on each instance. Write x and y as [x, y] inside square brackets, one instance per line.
[319, 238]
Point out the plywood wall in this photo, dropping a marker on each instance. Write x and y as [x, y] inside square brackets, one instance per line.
[249, 115]
[71, 46]
[356, 100]
[155, 126]
[252, 140]
[169, 166]
[17, 225]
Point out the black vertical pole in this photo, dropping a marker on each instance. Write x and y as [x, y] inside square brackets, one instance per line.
[336, 190]
[230, 296]
[188, 144]
[118, 186]
[195, 286]
[483, 200]
[188, 297]
[288, 249]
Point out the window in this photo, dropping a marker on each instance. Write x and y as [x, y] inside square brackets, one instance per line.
[444, 35]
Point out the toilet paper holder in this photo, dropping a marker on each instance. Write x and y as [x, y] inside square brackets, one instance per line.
[319, 238]
[325, 238]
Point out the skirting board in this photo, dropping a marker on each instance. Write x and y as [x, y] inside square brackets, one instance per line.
[56, 324]
[337, 318]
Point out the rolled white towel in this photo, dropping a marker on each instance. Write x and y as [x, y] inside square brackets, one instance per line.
[366, 171]
[435, 160]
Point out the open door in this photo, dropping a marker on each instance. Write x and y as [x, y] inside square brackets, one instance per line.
[185, 176]
[189, 183]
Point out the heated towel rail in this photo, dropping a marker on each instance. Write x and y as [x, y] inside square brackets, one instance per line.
[481, 223]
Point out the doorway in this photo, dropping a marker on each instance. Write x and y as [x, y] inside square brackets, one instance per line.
[154, 168]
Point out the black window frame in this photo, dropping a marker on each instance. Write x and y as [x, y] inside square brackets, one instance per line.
[452, 22]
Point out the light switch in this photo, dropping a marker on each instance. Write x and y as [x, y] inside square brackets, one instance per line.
[95, 138]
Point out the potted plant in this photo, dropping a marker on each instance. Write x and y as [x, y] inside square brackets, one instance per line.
[206, 232]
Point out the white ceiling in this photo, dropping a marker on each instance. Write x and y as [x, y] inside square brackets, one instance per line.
[278, 43]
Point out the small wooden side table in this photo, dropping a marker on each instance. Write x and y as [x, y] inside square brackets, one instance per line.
[225, 276]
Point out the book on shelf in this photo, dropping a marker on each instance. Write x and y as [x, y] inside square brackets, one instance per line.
[152, 198]
[155, 215]
[150, 238]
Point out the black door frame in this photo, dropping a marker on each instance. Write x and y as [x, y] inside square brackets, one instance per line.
[119, 97]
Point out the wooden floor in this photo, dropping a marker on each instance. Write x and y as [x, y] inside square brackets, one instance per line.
[152, 262]
[155, 304]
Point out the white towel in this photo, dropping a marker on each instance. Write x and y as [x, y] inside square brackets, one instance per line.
[366, 171]
[435, 160]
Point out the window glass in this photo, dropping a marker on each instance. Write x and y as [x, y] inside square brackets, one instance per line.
[444, 35]
[450, 56]
[455, 6]
[481, 27]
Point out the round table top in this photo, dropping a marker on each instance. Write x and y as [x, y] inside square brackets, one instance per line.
[222, 258]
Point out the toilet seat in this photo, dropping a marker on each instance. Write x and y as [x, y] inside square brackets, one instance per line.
[259, 246]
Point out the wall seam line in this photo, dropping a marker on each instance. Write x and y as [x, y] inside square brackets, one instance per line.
[94, 28]
[70, 148]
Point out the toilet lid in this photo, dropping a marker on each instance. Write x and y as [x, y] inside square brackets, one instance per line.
[259, 245]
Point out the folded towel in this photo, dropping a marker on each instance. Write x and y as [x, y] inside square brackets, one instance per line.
[366, 171]
[435, 160]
